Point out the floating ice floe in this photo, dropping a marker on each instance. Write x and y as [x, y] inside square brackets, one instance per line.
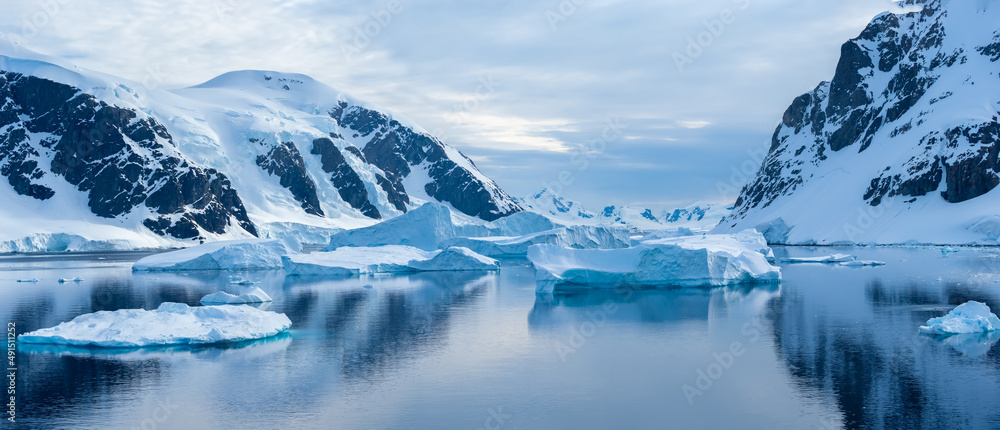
[255, 254]
[578, 237]
[833, 259]
[255, 295]
[32, 280]
[236, 280]
[170, 324]
[862, 263]
[971, 317]
[695, 261]
[68, 280]
[354, 261]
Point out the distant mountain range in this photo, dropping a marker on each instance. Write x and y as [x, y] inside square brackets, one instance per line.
[97, 161]
[902, 146]
[565, 211]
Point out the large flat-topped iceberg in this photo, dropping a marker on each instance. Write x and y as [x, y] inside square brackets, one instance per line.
[170, 324]
[256, 254]
[431, 224]
[355, 261]
[577, 237]
[972, 317]
[695, 261]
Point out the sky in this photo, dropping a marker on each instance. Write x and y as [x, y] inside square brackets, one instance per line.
[651, 103]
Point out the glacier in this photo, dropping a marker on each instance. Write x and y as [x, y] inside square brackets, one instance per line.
[356, 261]
[693, 261]
[169, 324]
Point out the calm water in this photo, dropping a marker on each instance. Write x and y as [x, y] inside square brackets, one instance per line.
[829, 348]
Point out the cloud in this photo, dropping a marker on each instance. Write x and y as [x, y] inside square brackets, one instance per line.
[694, 124]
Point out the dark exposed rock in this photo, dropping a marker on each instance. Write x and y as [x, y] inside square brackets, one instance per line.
[112, 154]
[285, 162]
[396, 149]
[394, 190]
[349, 184]
[848, 90]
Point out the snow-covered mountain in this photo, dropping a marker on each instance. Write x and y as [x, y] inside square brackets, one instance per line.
[89, 158]
[568, 212]
[900, 147]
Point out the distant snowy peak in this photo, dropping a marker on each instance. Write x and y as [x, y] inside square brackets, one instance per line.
[565, 211]
[901, 146]
[231, 158]
[550, 204]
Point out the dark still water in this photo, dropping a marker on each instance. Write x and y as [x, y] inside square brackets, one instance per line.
[831, 347]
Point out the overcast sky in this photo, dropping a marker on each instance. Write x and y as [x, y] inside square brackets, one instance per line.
[647, 102]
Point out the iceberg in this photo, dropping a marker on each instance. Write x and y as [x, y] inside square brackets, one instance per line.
[255, 254]
[835, 258]
[577, 237]
[862, 263]
[69, 280]
[429, 225]
[694, 261]
[255, 295]
[971, 317]
[356, 261]
[170, 324]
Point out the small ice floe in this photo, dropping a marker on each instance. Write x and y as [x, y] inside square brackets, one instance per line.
[368, 286]
[971, 317]
[829, 259]
[235, 280]
[255, 295]
[170, 324]
[68, 280]
[32, 280]
[863, 263]
[946, 251]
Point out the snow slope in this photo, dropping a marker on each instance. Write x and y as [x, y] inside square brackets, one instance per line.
[900, 147]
